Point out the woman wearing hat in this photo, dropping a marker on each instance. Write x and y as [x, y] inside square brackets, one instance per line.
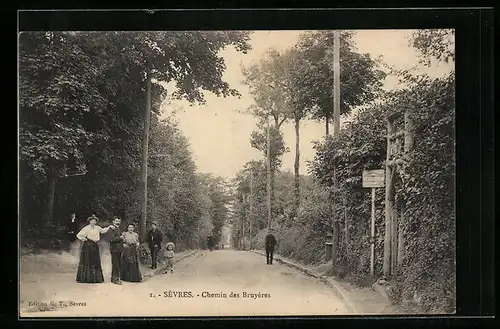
[89, 267]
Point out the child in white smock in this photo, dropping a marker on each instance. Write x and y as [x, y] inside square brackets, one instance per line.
[169, 257]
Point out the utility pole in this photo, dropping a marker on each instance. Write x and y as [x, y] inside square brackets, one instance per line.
[388, 202]
[336, 81]
[372, 235]
[336, 130]
[144, 169]
[268, 175]
[251, 208]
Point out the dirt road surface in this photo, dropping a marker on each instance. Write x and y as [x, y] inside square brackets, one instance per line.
[218, 283]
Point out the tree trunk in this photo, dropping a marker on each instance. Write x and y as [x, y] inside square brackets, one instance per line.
[297, 164]
[144, 169]
[346, 223]
[272, 179]
[327, 125]
[269, 174]
[51, 189]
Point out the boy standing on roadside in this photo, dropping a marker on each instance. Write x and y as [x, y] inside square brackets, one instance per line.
[169, 257]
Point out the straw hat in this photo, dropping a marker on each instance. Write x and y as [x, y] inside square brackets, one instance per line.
[92, 217]
[170, 244]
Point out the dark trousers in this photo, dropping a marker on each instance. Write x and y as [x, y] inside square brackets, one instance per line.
[269, 256]
[71, 237]
[154, 256]
[116, 264]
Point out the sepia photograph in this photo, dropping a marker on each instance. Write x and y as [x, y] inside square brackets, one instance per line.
[236, 173]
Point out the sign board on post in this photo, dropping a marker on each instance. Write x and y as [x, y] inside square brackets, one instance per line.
[373, 178]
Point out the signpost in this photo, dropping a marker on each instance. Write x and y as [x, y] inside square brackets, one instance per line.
[373, 179]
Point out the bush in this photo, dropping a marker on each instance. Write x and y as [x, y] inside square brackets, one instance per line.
[144, 254]
[427, 274]
[49, 237]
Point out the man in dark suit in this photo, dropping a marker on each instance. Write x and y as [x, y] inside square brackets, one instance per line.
[72, 228]
[116, 249]
[270, 245]
[154, 243]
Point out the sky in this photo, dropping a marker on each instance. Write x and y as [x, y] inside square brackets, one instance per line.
[219, 133]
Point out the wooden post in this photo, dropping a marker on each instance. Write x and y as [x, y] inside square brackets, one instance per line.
[336, 130]
[388, 205]
[394, 227]
[372, 243]
[408, 143]
[144, 169]
[336, 81]
[408, 133]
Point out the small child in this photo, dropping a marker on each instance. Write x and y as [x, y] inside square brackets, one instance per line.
[169, 257]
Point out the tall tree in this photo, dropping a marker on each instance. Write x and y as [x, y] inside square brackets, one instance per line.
[360, 79]
[258, 140]
[69, 111]
[55, 113]
[267, 80]
[264, 79]
[294, 64]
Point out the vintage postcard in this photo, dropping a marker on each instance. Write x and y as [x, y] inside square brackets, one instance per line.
[236, 173]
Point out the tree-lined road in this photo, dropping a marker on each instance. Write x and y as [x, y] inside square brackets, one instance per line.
[201, 281]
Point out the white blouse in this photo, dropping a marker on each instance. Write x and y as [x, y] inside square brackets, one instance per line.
[89, 232]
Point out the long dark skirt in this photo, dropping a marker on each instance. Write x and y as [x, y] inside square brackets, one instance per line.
[89, 268]
[130, 265]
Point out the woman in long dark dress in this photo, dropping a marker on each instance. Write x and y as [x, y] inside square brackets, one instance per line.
[89, 267]
[130, 261]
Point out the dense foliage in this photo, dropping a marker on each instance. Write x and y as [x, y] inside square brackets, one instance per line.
[434, 44]
[427, 276]
[426, 280]
[290, 85]
[360, 77]
[81, 124]
[216, 191]
[424, 185]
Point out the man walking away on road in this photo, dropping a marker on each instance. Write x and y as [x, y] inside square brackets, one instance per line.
[154, 243]
[116, 250]
[270, 245]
